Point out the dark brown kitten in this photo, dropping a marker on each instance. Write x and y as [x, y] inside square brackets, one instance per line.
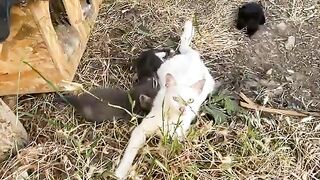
[97, 108]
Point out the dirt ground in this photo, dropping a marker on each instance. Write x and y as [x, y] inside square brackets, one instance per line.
[292, 75]
[250, 145]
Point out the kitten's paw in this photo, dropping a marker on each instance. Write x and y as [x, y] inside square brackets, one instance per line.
[161, 55]
[180, 135]
[120, 175]
[177, 133]
[164, 54]
[171, 52]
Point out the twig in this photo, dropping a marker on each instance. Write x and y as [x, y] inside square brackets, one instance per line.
[245, 98]
[251, 105]
[272, 110]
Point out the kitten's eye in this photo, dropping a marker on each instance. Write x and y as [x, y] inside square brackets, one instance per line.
[190, 101]
[175, 98]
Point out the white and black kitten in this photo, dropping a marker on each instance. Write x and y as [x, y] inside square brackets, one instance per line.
[149, 62]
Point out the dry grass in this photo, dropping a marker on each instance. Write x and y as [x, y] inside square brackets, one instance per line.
[247, 146]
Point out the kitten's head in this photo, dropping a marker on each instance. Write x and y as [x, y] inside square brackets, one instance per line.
[251, 12]
[181, 97]
[144, 93]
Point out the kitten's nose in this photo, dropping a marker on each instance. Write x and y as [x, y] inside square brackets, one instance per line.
[182, 109]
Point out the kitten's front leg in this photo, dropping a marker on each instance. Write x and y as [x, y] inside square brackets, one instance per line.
[137, 140]
[147, 127]
[179, 130]
[182, 130]
[180, 133]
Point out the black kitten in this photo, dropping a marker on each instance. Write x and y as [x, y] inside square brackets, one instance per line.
[149, 62]
[96, 108]
[250, 15]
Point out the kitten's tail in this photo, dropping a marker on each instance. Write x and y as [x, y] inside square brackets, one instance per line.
[186, 37]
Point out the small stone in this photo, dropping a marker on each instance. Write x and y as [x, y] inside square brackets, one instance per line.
[289, 79]
[251, 84]
[265, 100]
[267, 83]
[290, 43]
[278, 91]
[299, 76]
[269, 72]
[226, 160]
[307, 119]
[282, 27]
[290, 71]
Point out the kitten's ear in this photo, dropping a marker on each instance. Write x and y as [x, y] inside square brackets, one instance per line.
[170, 80]
[198, 86]
[145, 101]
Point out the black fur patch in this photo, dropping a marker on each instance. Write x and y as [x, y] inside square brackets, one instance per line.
[148, 63]
[250, 16]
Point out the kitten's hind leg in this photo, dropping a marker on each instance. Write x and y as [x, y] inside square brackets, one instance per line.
[186, 37]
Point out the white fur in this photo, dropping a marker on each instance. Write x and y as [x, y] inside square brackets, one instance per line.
[187, 69]
[161, 55]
